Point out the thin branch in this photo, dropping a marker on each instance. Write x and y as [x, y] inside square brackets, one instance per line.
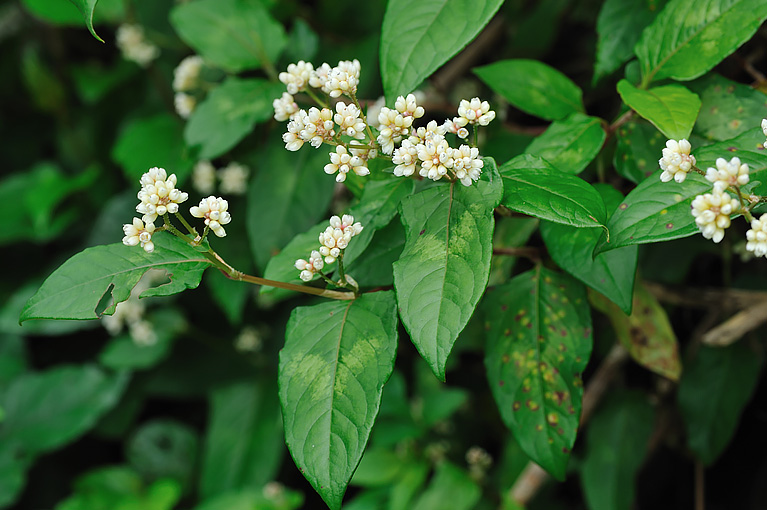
[522, 251]
[706, 297]
[736, 326]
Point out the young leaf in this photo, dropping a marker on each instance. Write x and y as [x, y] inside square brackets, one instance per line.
[86, 7]
[617, 439]
[646, 334]
[570, 144]
[532, 186]
[638, 148]
[444, 267]
[418, 36]
[450, 488]
[689, 38]
[230, 34]
[538, 343]
[75, 289]
[336, 359]
[572, 249]
[533, 87]
[619, 26]
[715, 387]
[229, 113]
[671, 108]
[728, 108]
[289, 194]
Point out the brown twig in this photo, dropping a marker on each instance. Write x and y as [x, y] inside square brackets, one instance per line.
[736, 326]
[700, 486]
[706, 297]
[533, 476]
[522, 251]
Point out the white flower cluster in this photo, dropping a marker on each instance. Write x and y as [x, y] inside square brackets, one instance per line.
[134, 45]
[186, 78]
[233, 178]
[214, 210]
[315, 126]
[137, 232]
[676, 161]
[756, 236]
[393, 125]
[333, 241]
[343, 160]
[712, 213]
[764, 130]
[158, 194]
[130, 313]
[727, 173]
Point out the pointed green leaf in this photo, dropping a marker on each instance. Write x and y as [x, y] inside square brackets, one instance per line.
[671, 108]
[75, 289]
[689, 38]
[646, 334]
[228, 114]
[533, 87]
[86, 7]
[716, 385]
[728, 108]
[572, 249]
[570, 144]
[450, 488]
[660, 211]
[539, 342]
[336, 359]
[638, 148]
[617, 445]
[418, 36]
[231, 34]
[444, 267]
[619, 26]
[532, 186]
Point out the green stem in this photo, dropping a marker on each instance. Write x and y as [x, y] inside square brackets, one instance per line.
[476, 134]
[316, 99]
[186, 224]
[743, 206]
[176, 232]
[364, 118]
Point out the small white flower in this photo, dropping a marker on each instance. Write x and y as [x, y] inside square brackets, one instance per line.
[727, 174]
[185, 104]
[292, 138]
[454, 126]
[392, 126]
[284, 107]
[467, 164]
[408, 106]
[406, 159]
[432, 131]
[348, 119]
[138, 233]
[319, 77]
[341, 161]
[134, 46]
[204, 177]
[712, 213]
[676, 161]
[249, 340]
[343, 78]
[158, 194]
[310, 267]
[214, 210]
[337, 236]
[474, 112]
[187, 74]
[297, 76]
[764, 126]
[234, 179]
[142, 333]
[436, 157]
[757, 236]
[318, 126]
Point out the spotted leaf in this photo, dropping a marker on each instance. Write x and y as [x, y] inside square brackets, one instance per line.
[538, 343]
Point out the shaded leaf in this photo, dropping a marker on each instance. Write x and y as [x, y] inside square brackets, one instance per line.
[570, 144]
[646, 334]
[451, 488]
[123, 353]
[86, 7]
[671, 108]
[532, 186]
[689, 38]
[336, 359]
[728, 108]
[374, 267]
[75, 289]
[533, 87]
[228, 114]
[538, 343]
[638, 148]
[716, 385]
[281, 266]
[418, 36]
[253, 500]
[444, 266]
[164, 448]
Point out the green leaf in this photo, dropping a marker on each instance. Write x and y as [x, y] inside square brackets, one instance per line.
[450, 488]
[378, 467]
[75, 289]
[639, 147]
[610, 273]
[532, 186]
[418, 36]
[689, 38]
[243, 445]
[148, 142]
[570, 144]
[164, 448]
[671, 108]
[646, 334]
[86, 7]
[254, 500]
[444, 267]
[46, 410]
[289, 194]
[281, 266]
[539, 342]
[336, 359]
[728, 108]
[533, 87]
[123, 353]
[228, 114]
[715, 387]
[617, 445]
[374, 267]
[67, 14]
[619, 25]
[234, 35]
